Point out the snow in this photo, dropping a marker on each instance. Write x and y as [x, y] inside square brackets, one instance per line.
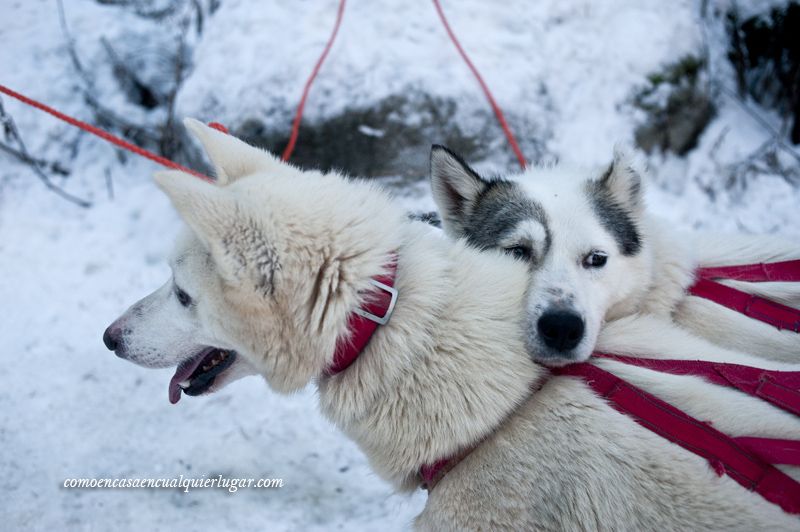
[547, 62]
[562, 70]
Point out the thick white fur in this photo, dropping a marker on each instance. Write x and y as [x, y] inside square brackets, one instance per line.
[450, 369]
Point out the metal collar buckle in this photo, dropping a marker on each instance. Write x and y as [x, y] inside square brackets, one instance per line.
[380, 320]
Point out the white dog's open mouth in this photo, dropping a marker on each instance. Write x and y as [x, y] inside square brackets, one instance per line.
[197, 374]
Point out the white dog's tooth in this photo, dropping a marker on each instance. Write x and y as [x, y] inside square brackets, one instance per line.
[185, 384]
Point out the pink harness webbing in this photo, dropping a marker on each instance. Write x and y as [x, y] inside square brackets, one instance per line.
[773, 313]
[744, 461]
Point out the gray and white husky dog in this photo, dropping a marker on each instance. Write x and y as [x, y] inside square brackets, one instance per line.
[275, 260]
[594, 254]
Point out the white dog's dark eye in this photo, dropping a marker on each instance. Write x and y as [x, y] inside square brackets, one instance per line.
[183, 297]
[519, 252]
[595, 259]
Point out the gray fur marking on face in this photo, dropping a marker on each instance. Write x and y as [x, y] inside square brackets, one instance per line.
[614, 216]
[498, 210]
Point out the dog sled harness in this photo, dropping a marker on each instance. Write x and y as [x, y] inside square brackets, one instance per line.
[750, 461]
[364, 321]
[771, 312]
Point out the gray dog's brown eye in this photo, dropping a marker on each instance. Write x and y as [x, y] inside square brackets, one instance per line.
[595, 259]
[518, 252]
[183, 297]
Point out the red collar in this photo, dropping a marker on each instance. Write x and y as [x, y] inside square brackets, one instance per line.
[364, 321]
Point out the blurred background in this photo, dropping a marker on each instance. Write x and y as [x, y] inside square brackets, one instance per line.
[709, 90]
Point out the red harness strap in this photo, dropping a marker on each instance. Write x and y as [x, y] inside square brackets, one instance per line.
[763, 272]
[776, 314]
[781, 388]
[772, 450]
[723, 452]
[781, 316]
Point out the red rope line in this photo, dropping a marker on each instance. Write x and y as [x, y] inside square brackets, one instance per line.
[299, 113]
[103, 134]
[496, 108]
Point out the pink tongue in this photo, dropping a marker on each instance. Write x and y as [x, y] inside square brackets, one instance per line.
[183, 372]
[174, 391]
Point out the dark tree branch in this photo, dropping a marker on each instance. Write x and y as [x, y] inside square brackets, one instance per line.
[12, 133]
[169, 143]
[109, 185]
[51, 166]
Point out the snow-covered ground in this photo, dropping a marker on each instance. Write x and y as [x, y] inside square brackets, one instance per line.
[562, 69]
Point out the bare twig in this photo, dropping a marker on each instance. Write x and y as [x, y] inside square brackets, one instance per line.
[718, 142]
[109, 185]
[51, 166]
[705, 46]
[71, 48]
[762, 160]
[777, 137]
[12, 133]
[179, 71]
[142, 11]
[198, 9]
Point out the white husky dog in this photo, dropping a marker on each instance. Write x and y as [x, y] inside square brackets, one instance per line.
[595, 255]
[276, 260]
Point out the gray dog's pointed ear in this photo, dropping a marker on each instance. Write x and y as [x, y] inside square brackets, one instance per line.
[456, 188]
[618, 199]
[622, 180]
[232, 158]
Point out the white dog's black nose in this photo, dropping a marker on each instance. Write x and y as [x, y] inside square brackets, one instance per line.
[111, 338]
[561, 330]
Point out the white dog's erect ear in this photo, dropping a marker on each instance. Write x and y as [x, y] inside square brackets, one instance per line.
[203, 206]
[622, 180]
[232, 158]
[455, 188]
[237, 243]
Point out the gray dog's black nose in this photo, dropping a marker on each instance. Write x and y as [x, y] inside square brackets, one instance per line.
[111, 339]
[561, 330]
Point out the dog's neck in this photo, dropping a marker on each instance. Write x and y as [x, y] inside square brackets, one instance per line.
[449, 366]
